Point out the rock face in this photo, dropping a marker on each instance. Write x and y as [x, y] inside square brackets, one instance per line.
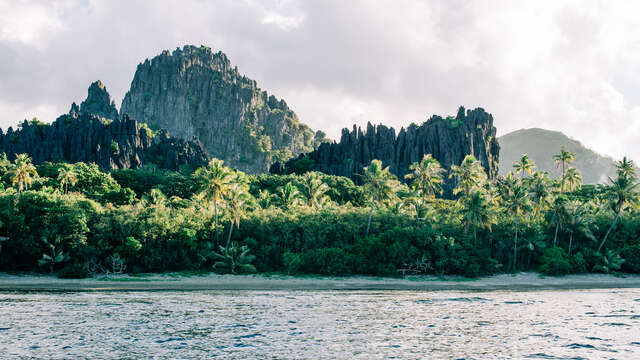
[196, 92]
[87, 137]
[448, 140]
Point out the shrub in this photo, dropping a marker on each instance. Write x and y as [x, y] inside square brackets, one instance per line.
[631, 255]
[115, 148]
[578, 263]
[554, 262]
[74, 271]
[328, 261]
[292, 262]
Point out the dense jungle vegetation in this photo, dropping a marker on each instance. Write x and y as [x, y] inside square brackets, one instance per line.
[74, 220]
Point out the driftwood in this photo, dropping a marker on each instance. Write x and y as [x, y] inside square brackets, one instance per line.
[420, 266]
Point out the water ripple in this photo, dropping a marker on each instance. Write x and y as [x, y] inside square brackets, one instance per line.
[320, 324]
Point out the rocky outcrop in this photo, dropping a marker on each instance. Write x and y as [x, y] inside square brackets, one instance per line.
[98, 102]
[194, 92]
[448, 140]
[92, 138]
[122, 143]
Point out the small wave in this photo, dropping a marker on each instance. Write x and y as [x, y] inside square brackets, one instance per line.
[168, 340]
[514, 302]
[539, 356]
[464, 299]
[614, 324]
[580, 346]
[242, 345]
[249, 336]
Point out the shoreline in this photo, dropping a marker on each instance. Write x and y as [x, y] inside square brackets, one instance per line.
[528, 281]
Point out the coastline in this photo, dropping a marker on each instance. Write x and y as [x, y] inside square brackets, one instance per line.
[179, 282]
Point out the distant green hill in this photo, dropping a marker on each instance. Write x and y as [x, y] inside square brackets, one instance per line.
[542, 144]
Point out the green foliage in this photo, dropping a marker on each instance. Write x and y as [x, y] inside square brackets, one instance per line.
[328, 261]
[555, 262]
[144, 127]
[74, 271]
[235, 258]
[610, 262]
[292, 262]
[302, 165]
[154, 220]
[114, 148]
[453, 122]
[631, 256]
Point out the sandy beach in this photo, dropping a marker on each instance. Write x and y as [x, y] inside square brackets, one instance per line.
[180, 282]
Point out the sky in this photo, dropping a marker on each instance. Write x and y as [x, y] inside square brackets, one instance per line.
[571, 66]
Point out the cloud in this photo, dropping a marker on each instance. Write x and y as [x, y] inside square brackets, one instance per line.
[564, 65]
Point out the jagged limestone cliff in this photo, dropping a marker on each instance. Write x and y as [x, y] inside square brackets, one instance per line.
[194, 92]
[448, 140]
[90, 137]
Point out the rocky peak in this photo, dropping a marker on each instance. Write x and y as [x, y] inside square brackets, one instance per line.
[195, 92]
[98, 102]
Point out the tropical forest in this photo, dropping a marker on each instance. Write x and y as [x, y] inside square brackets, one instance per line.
[75, 220]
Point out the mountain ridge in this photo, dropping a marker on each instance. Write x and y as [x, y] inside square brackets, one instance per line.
[541, 144]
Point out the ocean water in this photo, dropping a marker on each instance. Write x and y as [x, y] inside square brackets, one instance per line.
[576, 324]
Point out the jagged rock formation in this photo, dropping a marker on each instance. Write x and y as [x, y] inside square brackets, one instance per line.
[98, 103]
[541, 145]
[87, 137]
[196, 92]
[448, 140]
[122, 143]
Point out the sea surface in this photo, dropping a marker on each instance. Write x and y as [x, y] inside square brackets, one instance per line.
[589, 324]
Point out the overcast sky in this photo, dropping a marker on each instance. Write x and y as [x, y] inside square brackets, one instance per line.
[568, 66]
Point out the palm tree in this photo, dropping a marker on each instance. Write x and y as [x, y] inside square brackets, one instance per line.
[313, 189]
[265, 199]
[469, 175]
[578, 220]
[621, 192]
[55, 255]
[563, 159]
[525, 165]
[539, 185]
[4, 163]
[216, 179]
[380, 184]
[626, 167]
[67, 177]
[156, 197]
[427, 177]
[515, 199]
[611, 261]
[237, 201]
[573, 179]
[235, 258]
[290, 196]
[22, 172]
[558, 214]
[478, 213]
